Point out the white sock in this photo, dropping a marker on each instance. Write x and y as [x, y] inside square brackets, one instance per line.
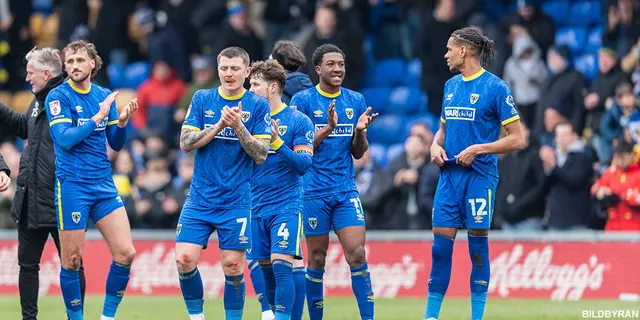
[105, 318]
[199, 316]
[268, 315]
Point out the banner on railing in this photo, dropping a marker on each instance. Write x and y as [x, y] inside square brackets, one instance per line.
[519, 269]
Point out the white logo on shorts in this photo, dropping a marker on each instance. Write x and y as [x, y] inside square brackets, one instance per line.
[75, 216]
[313, 223]
[178, 228]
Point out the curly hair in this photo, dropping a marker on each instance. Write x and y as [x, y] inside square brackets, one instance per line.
[89, 48]
[269, 71]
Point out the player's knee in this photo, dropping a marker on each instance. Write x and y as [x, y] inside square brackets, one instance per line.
[72, 261]
[233, 266]
[356, 257]
[125, 256]
[441, 252]
[185, 262]
[317, 259]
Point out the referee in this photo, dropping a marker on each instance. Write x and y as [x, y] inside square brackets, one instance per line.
[33, 205]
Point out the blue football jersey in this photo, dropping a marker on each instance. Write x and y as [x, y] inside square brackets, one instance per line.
[474, 109]
[222, 169]
[67, 105]
[275, 186]
[332, 168]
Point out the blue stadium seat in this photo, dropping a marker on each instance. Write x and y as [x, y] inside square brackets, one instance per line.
[377, 98]
[389, 72]
[404, 100]
[394, 151]
[575, 38]
[594, 40]
[379, 154]
[585, 13]
[135, 73]
[558, 10]
[432, 121]
[115, 72]
[587, 64]
[413, 75]
[387, 129]
[42, 6]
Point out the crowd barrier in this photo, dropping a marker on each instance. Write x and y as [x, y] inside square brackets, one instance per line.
[555, 266]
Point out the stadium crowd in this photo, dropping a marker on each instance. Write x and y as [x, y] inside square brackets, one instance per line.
[577, 92]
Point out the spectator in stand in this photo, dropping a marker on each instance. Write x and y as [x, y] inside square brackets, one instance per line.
[204, 77]
[156, 207]
[629, 62]
[616, 120]
[563, 95]
[521, 190]
[123, 176]
[6, 195]
[532, 20]
[622, 25]
[402, 209]
[182, 183]
[610, 75]
[237, 32]
[157, 101]
[290, 56]
[5, 175]
[429, 175]
[524, 73]
[569, 170]
[617, 190]
[494, 31]
[373, 185]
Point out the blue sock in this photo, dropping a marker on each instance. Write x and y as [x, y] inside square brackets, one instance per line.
[480, 274]
[315, 299]
[117, 281]
[234, 293]
[285, 289]
[441, 252]
[361, 286]
[257, 280]
[70, 287]
[298, 304]
[269, 283]
[192, 291]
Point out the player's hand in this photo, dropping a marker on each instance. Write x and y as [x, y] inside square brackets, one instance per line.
[105, 107]
[5, 181]
[365, 119]
[127, 112]
[438, 156]
[233, 117]
[274, 130]
[467, 155]
[332, 115]
[548, 156]
[591, 100]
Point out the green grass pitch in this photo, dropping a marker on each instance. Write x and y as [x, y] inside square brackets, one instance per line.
[157, 308]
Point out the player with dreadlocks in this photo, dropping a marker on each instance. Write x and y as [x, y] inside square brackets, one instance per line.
[476, 105]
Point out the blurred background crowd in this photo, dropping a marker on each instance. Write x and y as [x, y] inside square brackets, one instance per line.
[572, 66]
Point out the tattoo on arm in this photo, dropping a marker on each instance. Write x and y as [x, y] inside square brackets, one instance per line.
[257, 149]
[188, 138]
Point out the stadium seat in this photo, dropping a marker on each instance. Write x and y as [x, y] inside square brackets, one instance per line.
[124, 96]
[49, 33]
[558, 10]
[575, 38]
[115, 72]
[5, 97]
[587, 64]
[413, 74]
[404, 100]
[379, 154]
[429, 119]
[377, 98]
[42, 6]
[594, 40]
[387, 129]
[36, 24]
[135, 73]
[385, 73]
[585, 13]
[394, 151]
[21, 101]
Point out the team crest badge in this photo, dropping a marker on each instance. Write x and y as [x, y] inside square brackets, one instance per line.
[309, 136]
[349, 112]
[282, 130]
[178, 228]
[474, 98]
[313, 223]
[245, 116]
[76, 217]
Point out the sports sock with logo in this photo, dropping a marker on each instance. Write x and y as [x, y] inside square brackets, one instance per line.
[192, 291]
[441, 253]
[117, 281]
[315, 295]
[285, 289]
[70, 287]
[480, 274]
[234, 294]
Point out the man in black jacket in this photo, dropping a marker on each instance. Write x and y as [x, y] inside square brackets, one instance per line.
[33, 206]
[5, 173]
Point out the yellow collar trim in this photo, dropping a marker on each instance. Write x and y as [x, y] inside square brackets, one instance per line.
[326, 94]
[279, 109]
[78, 90]
[236, 97]
[479, 73]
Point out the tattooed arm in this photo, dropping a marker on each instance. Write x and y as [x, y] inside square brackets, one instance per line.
[257, 149]
[191, 139]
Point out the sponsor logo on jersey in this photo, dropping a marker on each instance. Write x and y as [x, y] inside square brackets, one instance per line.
[459, 113]
[474, 98]
[341, 130]
[54, 107]
[226, 133]
[101, 126]
[349, 113]
[318, 113]
[209, 114]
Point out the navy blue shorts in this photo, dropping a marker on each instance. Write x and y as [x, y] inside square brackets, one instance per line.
[334, 211]
[76, 202]
[464, 199]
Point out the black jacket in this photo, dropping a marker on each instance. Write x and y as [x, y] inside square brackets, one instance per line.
[37, 164]
[563, 92]
[296, 82]
[4, 167]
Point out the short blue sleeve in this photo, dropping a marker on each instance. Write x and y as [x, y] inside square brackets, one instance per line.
[303, 136]
[362, 107]
[505, 106]
[443, 119]
[262, 121]
[299, 103]
[57, 106]
[193, 120]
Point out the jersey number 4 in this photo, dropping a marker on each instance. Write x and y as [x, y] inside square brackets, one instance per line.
[283, 231]
[482, 203]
